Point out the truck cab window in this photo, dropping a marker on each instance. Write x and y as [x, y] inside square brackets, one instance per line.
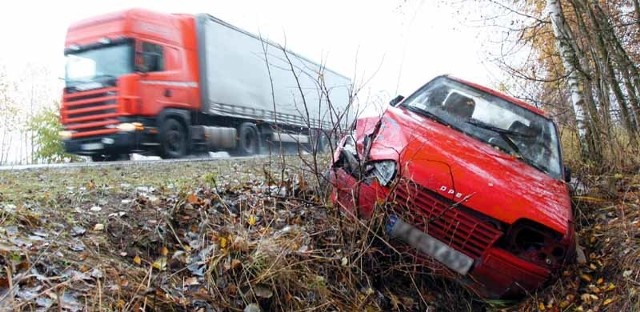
[153, 57]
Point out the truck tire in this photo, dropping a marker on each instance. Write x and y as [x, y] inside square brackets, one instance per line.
[173, 139]
[248, 140]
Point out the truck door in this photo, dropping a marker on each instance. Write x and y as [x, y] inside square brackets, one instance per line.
[160, 87]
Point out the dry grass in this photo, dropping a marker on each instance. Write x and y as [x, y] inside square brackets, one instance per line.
[223, 236]
[618, 152]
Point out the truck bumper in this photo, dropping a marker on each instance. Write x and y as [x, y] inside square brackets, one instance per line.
[112, 144]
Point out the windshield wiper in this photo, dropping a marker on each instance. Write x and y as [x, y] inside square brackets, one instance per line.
[504, 134]
[104, 76]
[428, 114]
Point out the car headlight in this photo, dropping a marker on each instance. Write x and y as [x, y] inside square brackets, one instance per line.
[536, 243]
[385, 171]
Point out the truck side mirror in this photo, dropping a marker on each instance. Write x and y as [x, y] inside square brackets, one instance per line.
[396, 100]
[567, 174]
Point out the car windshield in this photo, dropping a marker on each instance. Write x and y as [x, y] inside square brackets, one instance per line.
[102, 62]
[504, 125]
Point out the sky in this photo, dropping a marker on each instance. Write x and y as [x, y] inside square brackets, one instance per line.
[387, 47]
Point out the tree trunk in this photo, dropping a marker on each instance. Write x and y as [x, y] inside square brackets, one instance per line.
[567, 49]
[629, 104]
[600, 27]
[636, 7]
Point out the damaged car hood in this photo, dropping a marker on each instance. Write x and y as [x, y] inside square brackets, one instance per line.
[490, 181]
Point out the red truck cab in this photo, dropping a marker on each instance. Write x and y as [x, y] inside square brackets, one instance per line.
[469, 179]
[123, 71]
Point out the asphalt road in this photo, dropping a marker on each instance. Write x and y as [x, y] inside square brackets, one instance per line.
[135, 160]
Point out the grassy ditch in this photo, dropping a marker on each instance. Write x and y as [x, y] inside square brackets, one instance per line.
[254, 235]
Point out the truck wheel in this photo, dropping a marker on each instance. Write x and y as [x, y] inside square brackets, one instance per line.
[173, 139]
[248, 140]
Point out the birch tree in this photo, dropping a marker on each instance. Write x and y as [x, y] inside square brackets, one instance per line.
[568, 54]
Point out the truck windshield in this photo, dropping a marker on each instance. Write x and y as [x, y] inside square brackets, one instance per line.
[504, 125]
[104, 62]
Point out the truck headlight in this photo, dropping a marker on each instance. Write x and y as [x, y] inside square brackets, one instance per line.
[130, 127]
[65, 134]
[385, 171]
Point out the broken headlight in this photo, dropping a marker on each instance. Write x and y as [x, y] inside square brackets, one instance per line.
[384, 171]
[536, 243]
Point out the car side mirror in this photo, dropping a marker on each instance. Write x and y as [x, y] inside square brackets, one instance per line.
[396, 100]
[567, 174]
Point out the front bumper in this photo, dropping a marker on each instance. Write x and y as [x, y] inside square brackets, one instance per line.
[117, 143]
[494, 273]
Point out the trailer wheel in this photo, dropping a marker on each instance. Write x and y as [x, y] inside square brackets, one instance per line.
[248, 140]
[173, 139]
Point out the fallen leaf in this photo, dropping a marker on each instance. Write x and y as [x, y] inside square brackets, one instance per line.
[263, 292]
[96, 273]
[77, 231]
[160, 264]
[192, 199]
[610, 287]
[252, 308]
[120, 304]
[191, 281]
[44, 302]
[585, 277]
[223, 242]
[236, 264]
[608, 301]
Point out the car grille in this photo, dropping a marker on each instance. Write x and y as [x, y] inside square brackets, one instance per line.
[444, 220]
[90, 113]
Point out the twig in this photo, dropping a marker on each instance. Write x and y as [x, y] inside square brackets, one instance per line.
[144, 304]
[10, 280]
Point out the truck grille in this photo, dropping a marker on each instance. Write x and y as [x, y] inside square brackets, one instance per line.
[443, 220]
[90, 113]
